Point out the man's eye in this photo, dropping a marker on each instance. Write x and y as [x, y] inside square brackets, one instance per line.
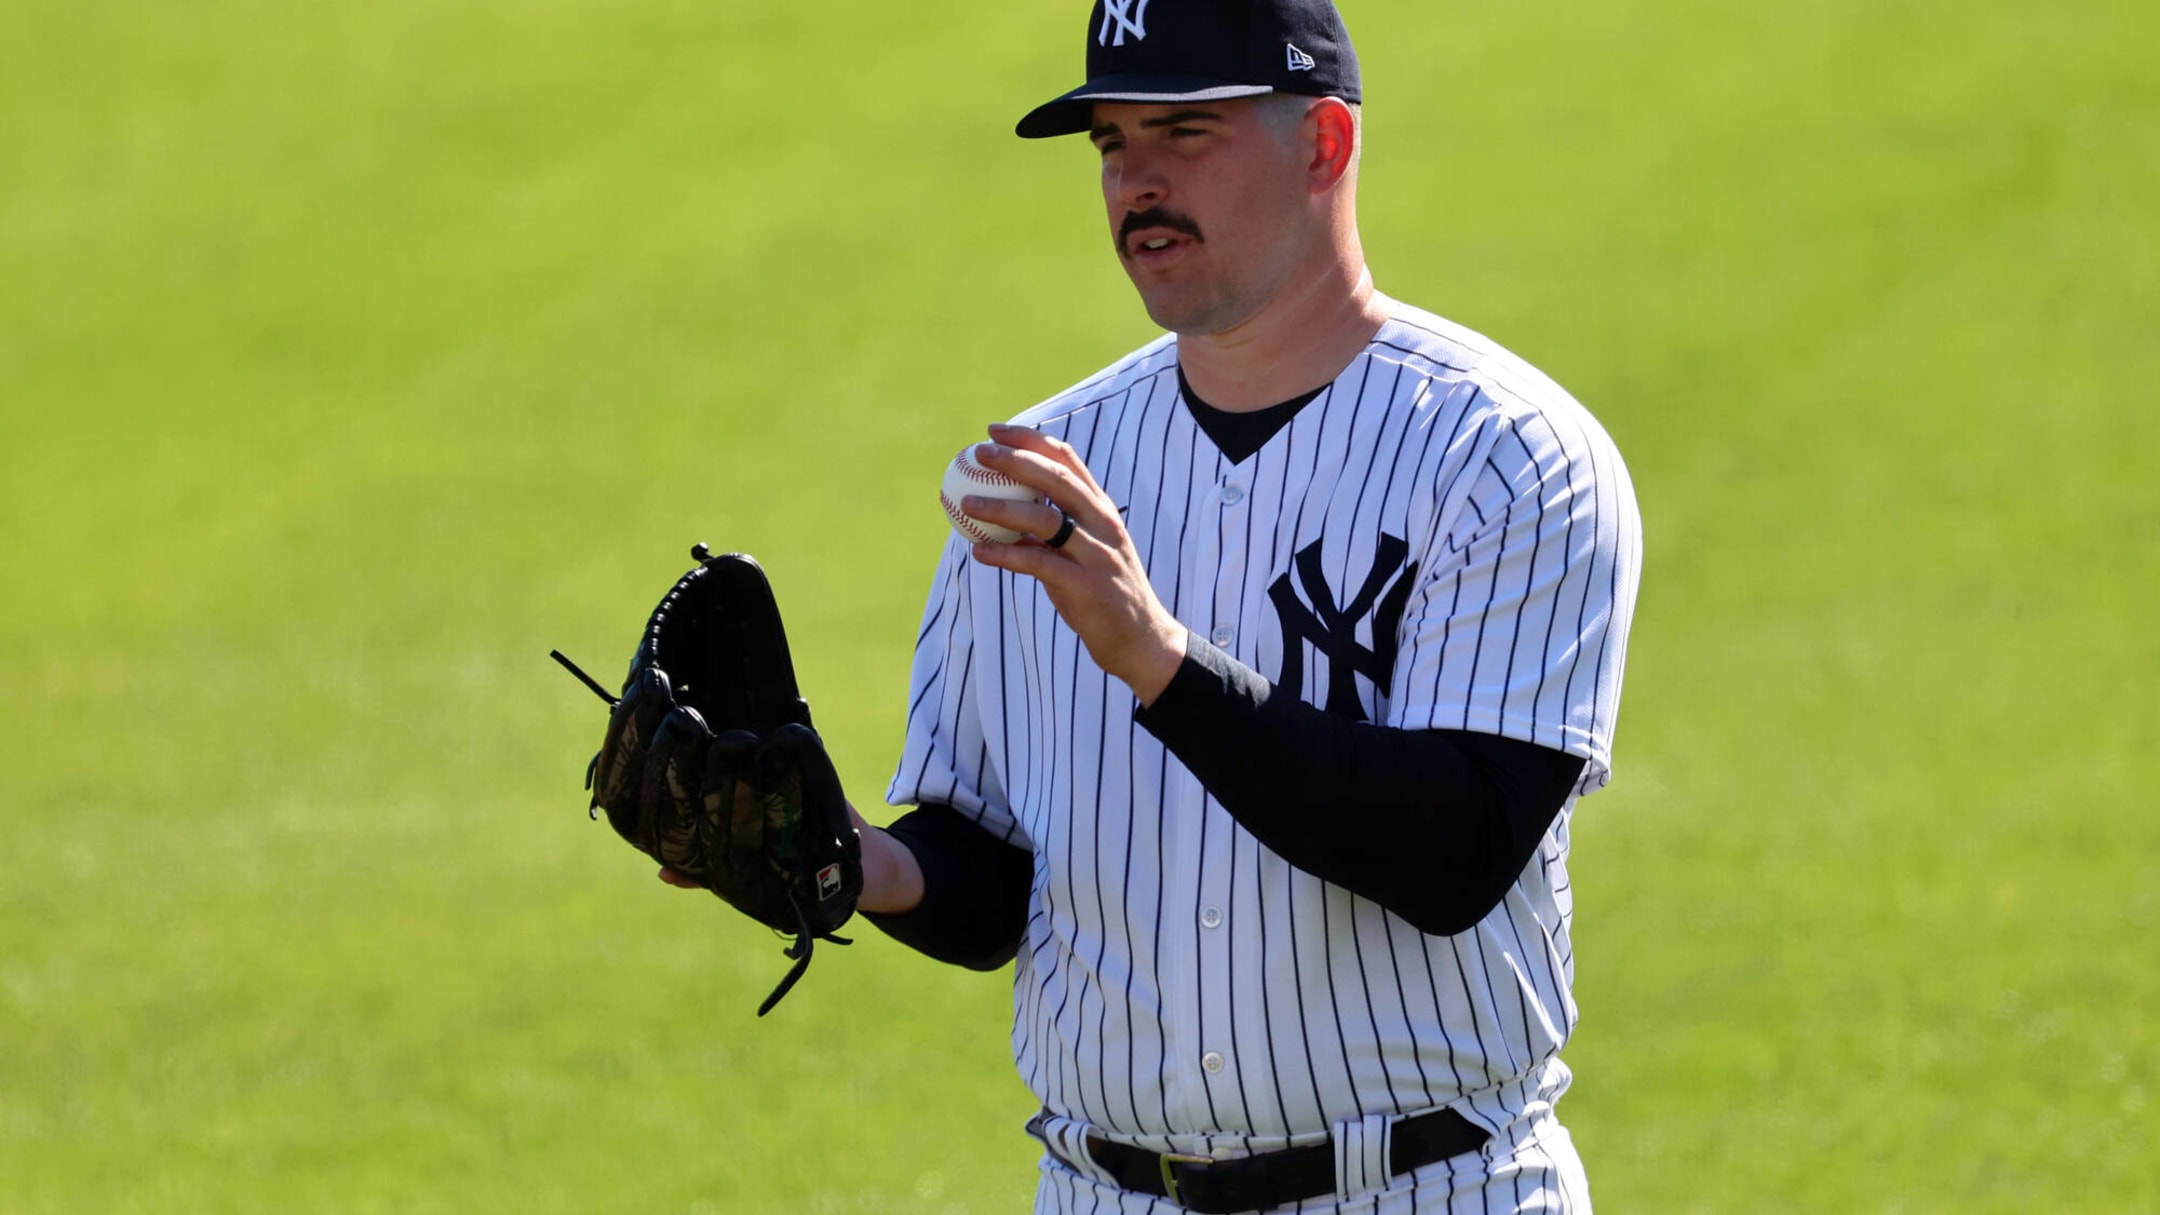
[1180, 132]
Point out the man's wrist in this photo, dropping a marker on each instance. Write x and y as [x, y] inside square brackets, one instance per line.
[1160, 663]
[892, 878]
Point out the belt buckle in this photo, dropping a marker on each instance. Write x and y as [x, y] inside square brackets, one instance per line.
[1169, 1174]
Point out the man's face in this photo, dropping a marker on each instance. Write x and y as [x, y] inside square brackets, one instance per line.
[1208, 207]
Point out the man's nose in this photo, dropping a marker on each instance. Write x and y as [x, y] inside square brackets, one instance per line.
[1140, 183]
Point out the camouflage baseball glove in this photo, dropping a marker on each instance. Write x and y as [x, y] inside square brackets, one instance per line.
[710, 765]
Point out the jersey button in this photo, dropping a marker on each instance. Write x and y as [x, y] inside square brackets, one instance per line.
[1212, 1061]
[1232, 493]
[1223, 636]
[1211, 917]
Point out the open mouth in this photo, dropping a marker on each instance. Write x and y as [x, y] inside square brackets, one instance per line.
[1156, 245]
[1154, 236]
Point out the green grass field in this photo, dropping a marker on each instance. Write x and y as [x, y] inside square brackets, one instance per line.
[352, 357]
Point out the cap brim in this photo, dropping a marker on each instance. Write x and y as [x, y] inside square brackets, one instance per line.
[1074, 112]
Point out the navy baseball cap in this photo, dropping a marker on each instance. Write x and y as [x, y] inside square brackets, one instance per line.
[1167, 51]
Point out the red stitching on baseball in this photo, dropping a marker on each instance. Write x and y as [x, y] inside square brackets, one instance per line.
[966, 463]
[965, 524]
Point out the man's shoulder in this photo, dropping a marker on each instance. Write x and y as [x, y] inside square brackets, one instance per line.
[1458, 353]
[1141, 366]
[1496, 391]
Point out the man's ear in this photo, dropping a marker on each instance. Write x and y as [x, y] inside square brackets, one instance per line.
[1334, 133]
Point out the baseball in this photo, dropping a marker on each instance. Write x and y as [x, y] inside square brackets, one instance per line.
[963, 477]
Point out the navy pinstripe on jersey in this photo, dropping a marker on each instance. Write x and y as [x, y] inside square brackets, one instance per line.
[1179, 987]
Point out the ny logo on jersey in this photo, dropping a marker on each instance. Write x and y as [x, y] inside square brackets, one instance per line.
[1128, 16]
[1332, 629]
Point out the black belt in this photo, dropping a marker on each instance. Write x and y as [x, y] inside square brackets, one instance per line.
[1251, 1183]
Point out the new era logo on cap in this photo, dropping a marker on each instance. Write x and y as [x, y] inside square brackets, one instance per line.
[1165, 51]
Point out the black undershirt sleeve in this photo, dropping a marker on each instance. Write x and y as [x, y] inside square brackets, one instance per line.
[1434, 825]
[975, 891]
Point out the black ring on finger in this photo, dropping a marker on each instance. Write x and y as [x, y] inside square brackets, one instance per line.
[1064, 532]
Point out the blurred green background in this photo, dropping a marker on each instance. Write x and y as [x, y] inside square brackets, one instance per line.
[353, 356]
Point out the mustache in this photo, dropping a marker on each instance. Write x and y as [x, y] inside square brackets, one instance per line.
[1156, 217]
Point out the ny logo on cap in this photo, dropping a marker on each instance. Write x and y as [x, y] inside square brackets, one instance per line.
[1130, 17]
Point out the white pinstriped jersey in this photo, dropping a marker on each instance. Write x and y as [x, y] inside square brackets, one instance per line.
[1179, 987]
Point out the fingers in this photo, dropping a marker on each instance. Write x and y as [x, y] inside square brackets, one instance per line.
[1052, 468]
[1054, 568]
[1036, 519]
[1028, 439]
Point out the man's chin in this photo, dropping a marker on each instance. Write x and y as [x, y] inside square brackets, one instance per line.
[1181, 314]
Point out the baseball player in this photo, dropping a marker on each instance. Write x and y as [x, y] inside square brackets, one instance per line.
[1256, 755]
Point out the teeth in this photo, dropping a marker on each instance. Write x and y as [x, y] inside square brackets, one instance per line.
[1157, 243]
